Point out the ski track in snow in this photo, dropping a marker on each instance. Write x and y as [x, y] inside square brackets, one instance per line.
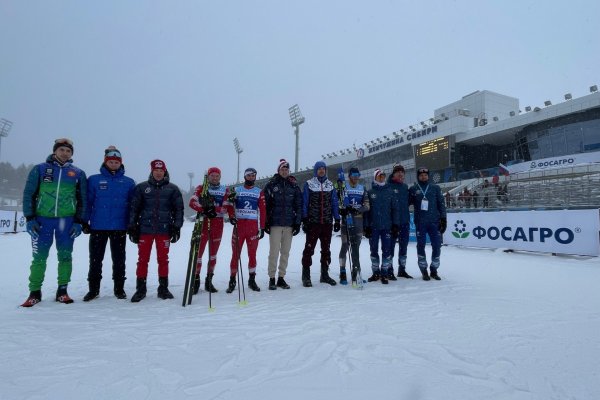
[498, 326]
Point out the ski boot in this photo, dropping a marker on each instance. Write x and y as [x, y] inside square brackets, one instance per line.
[306, 282]
[231, 286]
[163, 289]
[325, 278]
[196, 284]
[62, 296]
[35, 297]
[281, 283]
[140, 290]
[208, 286]
[252, 282]
[343, 277]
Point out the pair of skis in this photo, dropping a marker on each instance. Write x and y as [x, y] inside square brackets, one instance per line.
[188, 290]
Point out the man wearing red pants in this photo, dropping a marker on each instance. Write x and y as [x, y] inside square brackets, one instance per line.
[249, 222]
[156, 216]
[213, 210]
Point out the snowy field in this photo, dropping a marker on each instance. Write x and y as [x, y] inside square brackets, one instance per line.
[498, 326]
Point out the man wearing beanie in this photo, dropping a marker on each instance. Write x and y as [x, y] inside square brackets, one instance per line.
[54, 204]
[109, 199]
[284, 214]
[156, 215]
[430, 219]
[213, 209]
[248, 217]
[381, 224]
[400, 189]
[319, 210]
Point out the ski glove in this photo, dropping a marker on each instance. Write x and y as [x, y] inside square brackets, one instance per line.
[134, 234]
[210, 212]
[33, 228]
[368, 232]
[305, 225]
[86, 228]
[354, 211]
[260, 234]
[174, 234]
[75, 230]
[267, 229]
[443, 224]
[395, 230]
[295, 229]
[336, 226]
[343, 212]
[232, 221]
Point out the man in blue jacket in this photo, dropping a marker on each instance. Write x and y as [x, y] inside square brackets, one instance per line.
[381, 223]
[109, 200]
[400, 189]
[430, 219]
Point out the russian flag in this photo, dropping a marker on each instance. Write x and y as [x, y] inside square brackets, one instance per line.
[504, 169]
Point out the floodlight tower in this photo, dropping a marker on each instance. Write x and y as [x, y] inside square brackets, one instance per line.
[238, 150]
[297, 120]
[191, 176]
[5, 126]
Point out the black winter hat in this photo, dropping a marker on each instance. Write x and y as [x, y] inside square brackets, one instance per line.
[422, 170]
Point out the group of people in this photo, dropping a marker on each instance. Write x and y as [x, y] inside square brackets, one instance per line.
[60, 202]
[491, 195]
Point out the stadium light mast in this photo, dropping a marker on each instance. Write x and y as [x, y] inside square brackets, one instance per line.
[5, 126]
[191, 176]
[297, 120]
[238, 150]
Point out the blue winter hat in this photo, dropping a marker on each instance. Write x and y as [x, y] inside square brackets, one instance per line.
[319, 164]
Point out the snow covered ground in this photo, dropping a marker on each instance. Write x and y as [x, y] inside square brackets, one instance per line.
[498, 326]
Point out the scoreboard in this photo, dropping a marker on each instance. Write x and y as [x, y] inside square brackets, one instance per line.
[434, 154]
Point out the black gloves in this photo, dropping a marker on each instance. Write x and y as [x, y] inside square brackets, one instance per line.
[343, 212]
[295, 229]
[232, 220]
[85, 227]
[305, 225]
[395, 230]
[267, 229]
[443, 224]
[210, 212]
[368, 232]
[174, 234]
[260, 234]
[134, 233]
[336, 225]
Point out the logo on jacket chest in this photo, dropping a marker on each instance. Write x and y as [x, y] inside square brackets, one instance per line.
[103, 185]
[147, 190]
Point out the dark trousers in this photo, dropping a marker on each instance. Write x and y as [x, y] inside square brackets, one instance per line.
[97, 246]
[321, 232]
[435, 238]
[402, 240]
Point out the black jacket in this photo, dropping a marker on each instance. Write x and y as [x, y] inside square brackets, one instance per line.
[156, 207]
[284, 201]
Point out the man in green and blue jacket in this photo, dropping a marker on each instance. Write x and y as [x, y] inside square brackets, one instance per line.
[54, 204]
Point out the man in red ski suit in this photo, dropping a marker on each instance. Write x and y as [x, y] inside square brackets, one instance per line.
[250, 211]
[213, 213]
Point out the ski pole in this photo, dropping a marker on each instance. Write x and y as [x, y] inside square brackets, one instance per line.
[210, 307]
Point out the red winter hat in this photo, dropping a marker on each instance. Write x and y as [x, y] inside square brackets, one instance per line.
[283, 163]
[214, 169]
[158, 164]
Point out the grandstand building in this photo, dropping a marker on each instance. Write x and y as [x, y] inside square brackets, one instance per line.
[484, 134]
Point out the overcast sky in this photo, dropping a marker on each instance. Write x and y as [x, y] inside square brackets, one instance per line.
[178, 80]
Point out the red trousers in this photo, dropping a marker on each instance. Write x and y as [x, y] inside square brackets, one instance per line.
[247, 230]
[162, 254]
[216, 232]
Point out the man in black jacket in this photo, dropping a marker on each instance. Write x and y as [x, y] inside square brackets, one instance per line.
[156, 215]
[284, 213]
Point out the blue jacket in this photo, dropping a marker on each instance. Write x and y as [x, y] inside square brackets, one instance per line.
[401, 194]
[384, 208]
[436, 208]
[109, 200]
[284, 201]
